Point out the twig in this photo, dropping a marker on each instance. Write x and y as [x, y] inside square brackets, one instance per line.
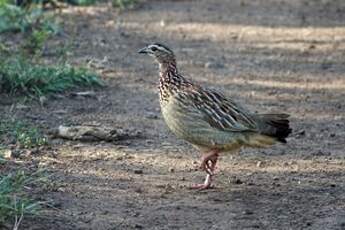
[17, 221]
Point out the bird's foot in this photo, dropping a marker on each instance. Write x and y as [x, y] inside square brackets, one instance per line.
[206, 185]
[201, 186]
[208, 164]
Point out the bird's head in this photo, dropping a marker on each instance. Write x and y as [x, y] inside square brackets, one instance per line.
[160, 52]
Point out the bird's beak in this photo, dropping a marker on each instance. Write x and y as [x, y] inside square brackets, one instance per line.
[143, 50]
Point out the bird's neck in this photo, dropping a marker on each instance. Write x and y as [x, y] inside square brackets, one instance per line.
[169, 80]
[167, 70]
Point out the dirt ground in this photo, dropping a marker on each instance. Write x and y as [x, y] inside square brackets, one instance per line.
[271, 55]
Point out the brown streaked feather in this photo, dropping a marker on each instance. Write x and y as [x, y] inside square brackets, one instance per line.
[220, 112]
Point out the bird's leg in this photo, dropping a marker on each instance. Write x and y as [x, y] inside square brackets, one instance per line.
[208, 164]
[211, 164]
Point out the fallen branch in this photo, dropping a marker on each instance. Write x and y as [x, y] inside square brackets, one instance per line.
[94, 133]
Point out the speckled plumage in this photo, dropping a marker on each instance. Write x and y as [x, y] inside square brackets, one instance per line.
[206, 118]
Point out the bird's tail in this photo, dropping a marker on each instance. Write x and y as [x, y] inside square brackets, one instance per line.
[275, 125]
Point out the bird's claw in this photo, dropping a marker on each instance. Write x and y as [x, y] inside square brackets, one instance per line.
[201, 186]
[205, 185]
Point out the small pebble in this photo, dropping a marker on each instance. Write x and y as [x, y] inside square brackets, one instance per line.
[149, 142]
[56, 204]
[20, 106]
[247, 212]
[138, 171]
[259, 164]
[7, 154]
[138, 226]
[213, 65]
[301, 133]
[312, 46]
[276, 184]
[217, 199]
[151, 115]
[43, 100]
[61, 189]
[138, 190]
[238, 181]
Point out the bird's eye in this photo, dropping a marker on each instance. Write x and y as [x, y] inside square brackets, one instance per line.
[154, 49]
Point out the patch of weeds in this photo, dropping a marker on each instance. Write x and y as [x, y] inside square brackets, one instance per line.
[35, 42]
[18, 75]
[4, 50]
[13, 18]
[38, 37]
[17, 19]
[81, 2]
[33, 22]
[124, 4]
[15, 202]
[23, 134]
[2, 158]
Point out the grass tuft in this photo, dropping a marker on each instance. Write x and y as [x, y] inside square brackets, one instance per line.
[14, 200]
[124, 4]
[17, 19]
[81, 2]
[19, 76]
[22, 134]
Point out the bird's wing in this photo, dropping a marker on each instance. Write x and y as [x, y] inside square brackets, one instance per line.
[221, 112]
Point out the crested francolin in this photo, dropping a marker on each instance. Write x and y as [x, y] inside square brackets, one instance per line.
[209, 120]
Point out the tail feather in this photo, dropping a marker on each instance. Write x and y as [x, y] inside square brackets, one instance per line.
[275, 125]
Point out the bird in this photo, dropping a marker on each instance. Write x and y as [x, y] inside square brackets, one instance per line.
[209, 120]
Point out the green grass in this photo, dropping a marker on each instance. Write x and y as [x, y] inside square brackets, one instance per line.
[13, 18]
[21, 133]
[15, 203]
[19, 76]
[2, 159]
[124, 4]
[33, 23]
[81, 2]
[18, 19]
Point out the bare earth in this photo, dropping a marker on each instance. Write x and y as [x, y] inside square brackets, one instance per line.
[272, 56]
